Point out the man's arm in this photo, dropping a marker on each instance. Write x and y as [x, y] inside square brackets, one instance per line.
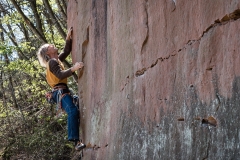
[66, 51]
[57, 71]
[68, 46]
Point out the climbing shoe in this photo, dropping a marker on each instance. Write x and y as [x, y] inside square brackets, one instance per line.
[79, 146]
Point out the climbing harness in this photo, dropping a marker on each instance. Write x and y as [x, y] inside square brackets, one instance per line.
[62, 90]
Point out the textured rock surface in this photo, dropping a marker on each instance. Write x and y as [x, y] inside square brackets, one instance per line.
[161, 78]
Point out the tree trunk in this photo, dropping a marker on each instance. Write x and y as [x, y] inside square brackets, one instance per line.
[64, 4]
[61, 10]
[36, 16]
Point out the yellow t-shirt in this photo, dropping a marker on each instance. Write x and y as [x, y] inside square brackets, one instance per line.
[52, 79]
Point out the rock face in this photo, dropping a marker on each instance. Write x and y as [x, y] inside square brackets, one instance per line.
[161, 78]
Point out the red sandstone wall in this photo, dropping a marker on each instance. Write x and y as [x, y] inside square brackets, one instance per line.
[161, 78]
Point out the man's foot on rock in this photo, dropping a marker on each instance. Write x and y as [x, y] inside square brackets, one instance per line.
[79, 146]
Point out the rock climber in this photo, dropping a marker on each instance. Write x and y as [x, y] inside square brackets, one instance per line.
[56, 76]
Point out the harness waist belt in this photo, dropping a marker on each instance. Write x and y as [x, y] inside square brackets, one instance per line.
[60, 87]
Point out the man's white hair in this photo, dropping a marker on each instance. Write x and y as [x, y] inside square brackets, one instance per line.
[42, 55]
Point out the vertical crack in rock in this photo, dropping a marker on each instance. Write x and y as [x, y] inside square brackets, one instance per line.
[207, 150]
[144, 95]
[232, 16]
[174, 3]
[85, 43]
[211, 66]
[84, 51]
[146, 23]
[93, 4]
[218, 102]
[208, 144]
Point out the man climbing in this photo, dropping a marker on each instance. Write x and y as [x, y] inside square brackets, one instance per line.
[56, 77]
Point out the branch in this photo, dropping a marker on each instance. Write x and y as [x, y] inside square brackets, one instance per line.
[29, 23]
[58, 26]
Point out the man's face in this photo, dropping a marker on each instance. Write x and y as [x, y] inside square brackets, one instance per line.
[51, 49]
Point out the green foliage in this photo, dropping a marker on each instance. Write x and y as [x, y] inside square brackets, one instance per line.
[13, 18]
[5, 49]
[41, 137]
[27, 46]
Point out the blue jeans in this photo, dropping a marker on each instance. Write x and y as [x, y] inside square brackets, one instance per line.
[72, 111]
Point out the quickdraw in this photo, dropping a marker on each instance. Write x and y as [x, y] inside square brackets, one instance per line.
[49, 97]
